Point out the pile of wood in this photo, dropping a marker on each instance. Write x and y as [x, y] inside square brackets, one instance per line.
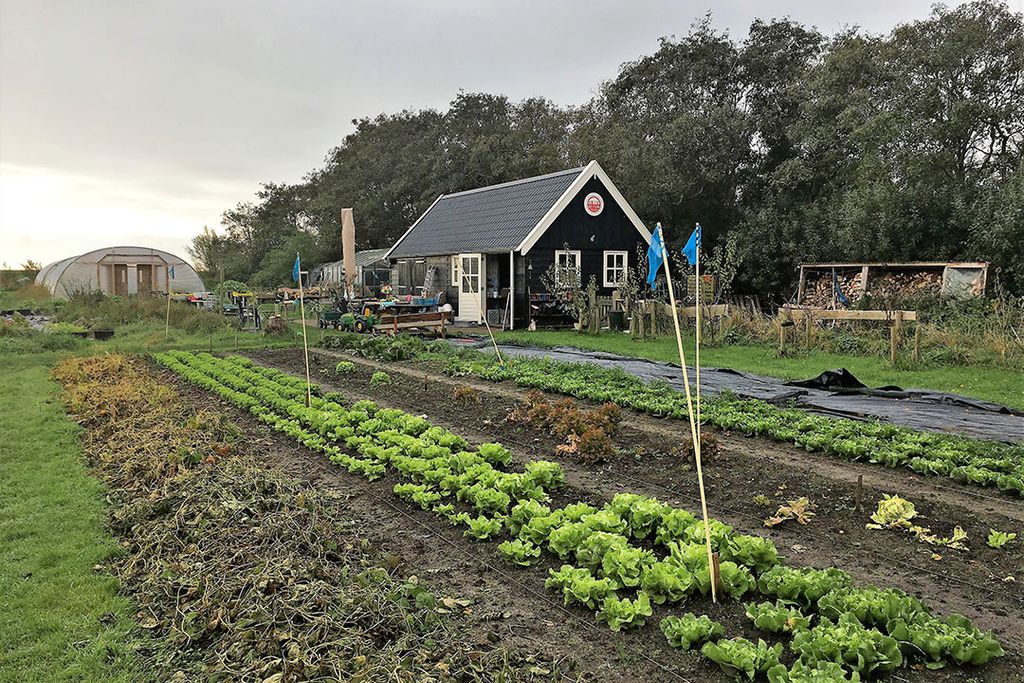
[820, 293]
[902, 286]
[891, 287]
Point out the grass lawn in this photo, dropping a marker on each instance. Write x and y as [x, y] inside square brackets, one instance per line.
[998, 385]
[59, 619]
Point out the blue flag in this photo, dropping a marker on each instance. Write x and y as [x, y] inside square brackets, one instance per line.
[692, 245]
[655, 256]
[172, 272]
[296, 269]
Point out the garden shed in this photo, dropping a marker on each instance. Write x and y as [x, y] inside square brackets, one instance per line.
[485, 250]
[120, 271]
[372, 272]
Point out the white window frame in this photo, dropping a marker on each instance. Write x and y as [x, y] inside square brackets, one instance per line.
[456, 271]
[568, 252]
[605, 270]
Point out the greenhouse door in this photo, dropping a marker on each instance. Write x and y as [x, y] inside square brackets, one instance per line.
[469, 288]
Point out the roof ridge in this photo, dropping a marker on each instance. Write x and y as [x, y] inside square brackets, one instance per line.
[521, 181]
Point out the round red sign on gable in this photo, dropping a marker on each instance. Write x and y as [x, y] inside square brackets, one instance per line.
[594, 204]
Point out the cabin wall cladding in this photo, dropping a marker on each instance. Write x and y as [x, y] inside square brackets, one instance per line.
[590, 235]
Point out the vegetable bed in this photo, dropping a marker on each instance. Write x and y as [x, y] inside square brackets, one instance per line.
[623, 560]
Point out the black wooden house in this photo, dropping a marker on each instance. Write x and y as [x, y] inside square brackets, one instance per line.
[499, 240]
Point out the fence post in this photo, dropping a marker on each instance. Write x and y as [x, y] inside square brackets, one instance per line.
[782, 337]
[917, 342]
[894, 336]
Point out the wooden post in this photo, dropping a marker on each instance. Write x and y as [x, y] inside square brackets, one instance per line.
[654, 314]
[305, 346]
[858, 496]
[807, 332]
[917, 342]
[782, 338]
[894, 336]
[716, 574]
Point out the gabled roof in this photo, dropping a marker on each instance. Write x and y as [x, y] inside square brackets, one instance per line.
[500, 218]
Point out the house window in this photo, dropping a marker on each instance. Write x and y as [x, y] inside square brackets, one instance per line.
[456, 271]
[615, 263]
[567, 259]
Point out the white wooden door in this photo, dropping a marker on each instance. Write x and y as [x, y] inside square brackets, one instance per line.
[470, 285]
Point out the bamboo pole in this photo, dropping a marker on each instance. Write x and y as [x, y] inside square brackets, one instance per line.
[305, 346]
[480, 289]
[693, 430]
[699, 303]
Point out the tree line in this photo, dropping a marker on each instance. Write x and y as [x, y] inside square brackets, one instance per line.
[788, 145]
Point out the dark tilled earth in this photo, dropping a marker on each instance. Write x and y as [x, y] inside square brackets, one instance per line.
[511, 605]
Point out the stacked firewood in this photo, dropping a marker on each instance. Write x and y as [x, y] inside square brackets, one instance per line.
[883, 287]
[820, 292]
[901, 286]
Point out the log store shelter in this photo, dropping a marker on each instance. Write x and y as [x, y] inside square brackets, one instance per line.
[485, 250]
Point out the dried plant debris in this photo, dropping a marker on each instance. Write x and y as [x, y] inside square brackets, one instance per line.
[799, 510]
[241, 573]
[895, 512]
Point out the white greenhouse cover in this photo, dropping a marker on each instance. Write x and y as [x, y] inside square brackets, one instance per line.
[120, 270]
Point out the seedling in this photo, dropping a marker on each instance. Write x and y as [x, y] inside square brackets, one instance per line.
[997, 539]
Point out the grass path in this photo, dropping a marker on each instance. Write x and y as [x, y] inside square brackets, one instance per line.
[998, 385]
[59, 619]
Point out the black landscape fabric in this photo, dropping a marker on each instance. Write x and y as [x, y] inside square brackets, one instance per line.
[834, 392]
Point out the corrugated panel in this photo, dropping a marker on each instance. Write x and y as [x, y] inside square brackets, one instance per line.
[489, 219]
[368, 256]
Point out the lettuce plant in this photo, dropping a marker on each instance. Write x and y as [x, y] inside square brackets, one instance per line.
[482, 528]
[624, 613]
[847, 642]
[579, 585]
[666, 582]
[777, 618]
[624, 564]
[688, 630]
[518, 552]
[739, 657]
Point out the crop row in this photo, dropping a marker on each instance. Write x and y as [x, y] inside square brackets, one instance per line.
[971, 461]
[619, 560]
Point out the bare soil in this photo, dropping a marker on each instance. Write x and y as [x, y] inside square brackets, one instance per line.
[511, 605]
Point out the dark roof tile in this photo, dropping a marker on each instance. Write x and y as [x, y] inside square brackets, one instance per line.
[485, 220]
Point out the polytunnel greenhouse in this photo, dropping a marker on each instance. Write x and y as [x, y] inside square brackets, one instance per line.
[120, 271]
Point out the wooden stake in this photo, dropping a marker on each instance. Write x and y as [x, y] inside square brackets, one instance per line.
[305, 346]
[917, 343]
[693, 429]
[782, 339]
[858, 497]
[167, 324]
[716, 574]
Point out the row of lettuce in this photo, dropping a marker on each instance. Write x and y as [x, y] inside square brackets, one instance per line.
[970, 461]
[620, 560]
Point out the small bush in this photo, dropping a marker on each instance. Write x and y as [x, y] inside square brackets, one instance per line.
[380, 379]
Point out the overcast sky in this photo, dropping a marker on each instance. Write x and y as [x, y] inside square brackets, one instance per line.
[131, 122]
